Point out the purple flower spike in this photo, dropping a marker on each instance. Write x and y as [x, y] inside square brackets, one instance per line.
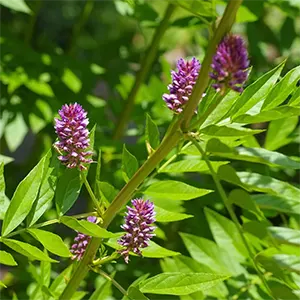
[81, 241]
[182, 85]
[138, 222]
[73, 136]
[230, 64]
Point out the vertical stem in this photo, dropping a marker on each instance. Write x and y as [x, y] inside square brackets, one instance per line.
[231, 212]
[146, 64]
[85, 13]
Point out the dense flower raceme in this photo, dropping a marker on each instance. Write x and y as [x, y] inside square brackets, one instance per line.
[230, 64]
[81, 241]
[182, 84]
[73, 136]
[138, 227]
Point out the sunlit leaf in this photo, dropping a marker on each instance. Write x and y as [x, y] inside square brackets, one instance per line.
[7, 259]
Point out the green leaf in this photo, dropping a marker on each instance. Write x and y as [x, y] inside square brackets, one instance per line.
[225, 233]
[17, 5]
[196, 7]
[7, 259]
[163, 215]
[103, 291]
[175, 190]
[180, 283]
[280, 204]
[191, 165]
[45, 272]
[50, 241]
[23, 199]
[256, 92]
[71, 81]
[281, 291]
[257, 155]
[60, 282]
[67, 190]
[39, 87]
[285, 235]
[107, 191]
[283, 89]
[86, 227]
[2, 284]
[211, 255]
[243, 199]
[152, 133]
[129, 164]
[214, 130]
[278, 132]
[295, 100]
[135, 294]
[5, 159]
[152, 251]
[4, 201]
[227, 173]
[31, 252]
[15, 132]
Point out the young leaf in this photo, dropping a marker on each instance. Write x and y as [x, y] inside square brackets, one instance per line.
[50, 241]
[163, 215]
[152, 133]
[86, 227]
[256, 92]
[7, 259]
[23, 199]
[283, 89]
[278, 132]
[191, 165]
[285, 235]
[175, 190]
[25, 249]
[129, 164]
[68, 189]
[180, 283]
[225, 233]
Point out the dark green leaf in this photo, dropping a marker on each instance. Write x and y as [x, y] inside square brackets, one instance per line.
[50, 241]
[30, 251]
[23, 198]
[152, 133]
[129, 164]
[86, 227]
[7, 259]
[180, 283]
[107, 191]
[135, 294]
[175, 190]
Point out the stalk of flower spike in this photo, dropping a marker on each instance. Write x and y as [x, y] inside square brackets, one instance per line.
[182, 84]
[81, 241]
[230, 64]
[138, 222]
[73, 136]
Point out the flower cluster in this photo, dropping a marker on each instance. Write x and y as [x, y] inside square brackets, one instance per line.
[73, 136]
[138, 222]
[182, 84]
[81, 241]
[230, 64]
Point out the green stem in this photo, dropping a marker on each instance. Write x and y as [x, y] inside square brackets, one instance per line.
[85, 13]
[114, 282]
[146, 64]
[169, 142]
[230, 211]
[89, 189]
[104, 260]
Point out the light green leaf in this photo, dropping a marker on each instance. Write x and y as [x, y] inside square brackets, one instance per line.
[17, 5]
[295, 100]
[71, 81]
[256, 92]
[285, 235]
[152, 133]
[86, 227]
[180, 283]
[196, 7]
[23, 198]
[191, 165]
[15, 132]
[214, 130]
[7, 259]
[129, 164]
[28, 250]
[50, 241]
[211, 255]
[175, 190]
[135, 294]
[60, 282]
[67, 190]
[279, 131]
[45, 272]
[4, 201]
[163, 215]
[39, 87]
[5, 159]
[225, 233]
[283, 89]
